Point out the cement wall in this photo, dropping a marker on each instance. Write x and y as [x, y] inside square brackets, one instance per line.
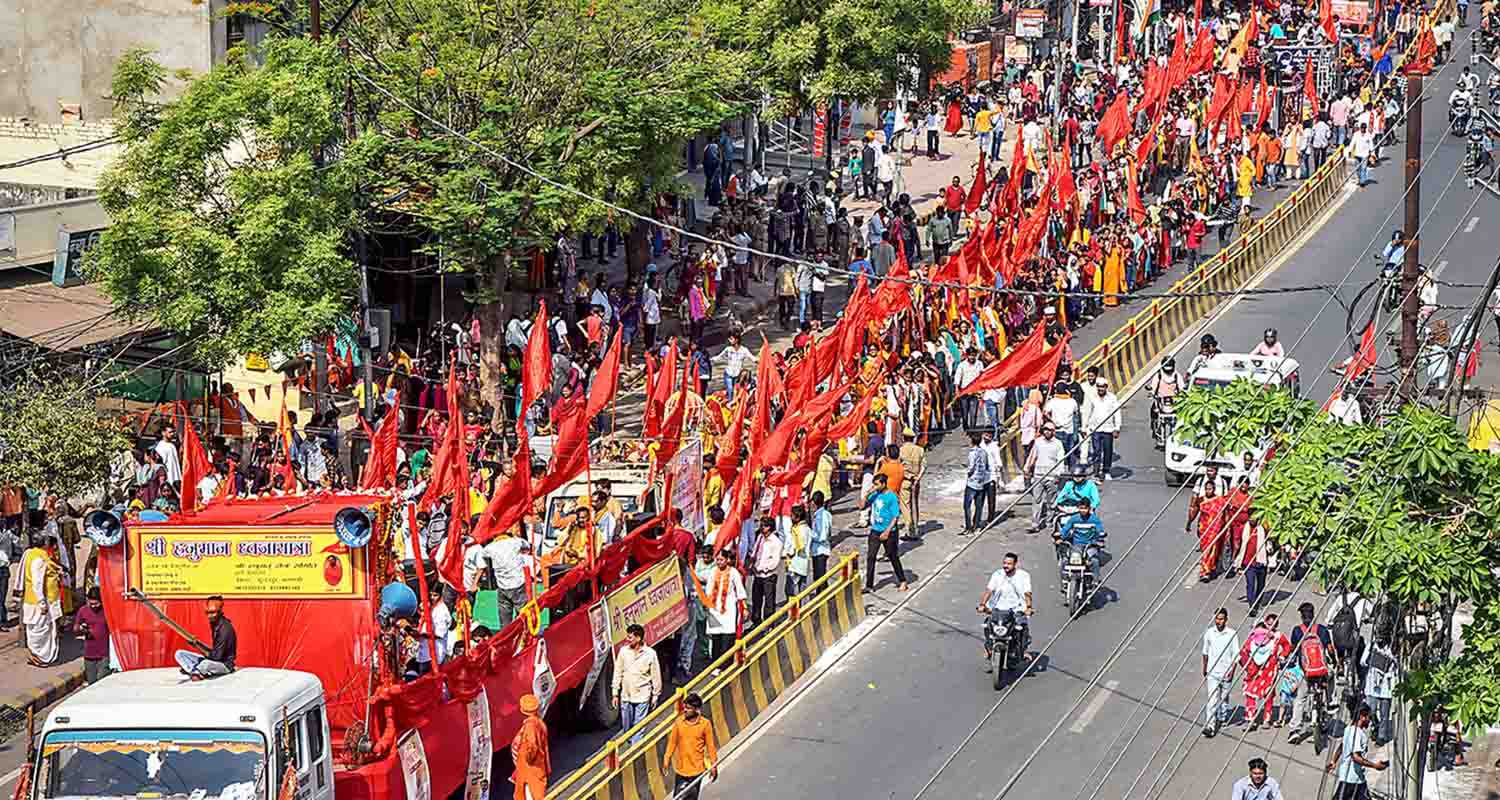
[55, 55]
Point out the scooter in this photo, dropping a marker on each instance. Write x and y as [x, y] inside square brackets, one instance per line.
[1459, 117]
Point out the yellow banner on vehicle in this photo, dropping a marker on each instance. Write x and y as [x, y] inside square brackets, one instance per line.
[236, 562]
[654, 599]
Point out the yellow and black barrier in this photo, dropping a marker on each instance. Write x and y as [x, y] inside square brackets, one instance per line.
[1136, 345]
[736, 688]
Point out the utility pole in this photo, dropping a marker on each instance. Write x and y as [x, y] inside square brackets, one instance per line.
[359, 253]
[1410, 303]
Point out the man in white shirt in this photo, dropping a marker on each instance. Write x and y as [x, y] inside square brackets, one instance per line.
[510, 558]
[1042, 472]
[885, 172]
[964, 373]
[741, 260]
[1008, 594]
[735, 357]
[1060, 409]
[1345, 408]
[1101, 418]
[1361, 147]
[166, 447]
[1221, 652]
[726, 600]
[650, 315]
[637, 679]
[765, 560]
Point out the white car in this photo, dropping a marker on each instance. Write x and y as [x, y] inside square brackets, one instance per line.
[1184, 459]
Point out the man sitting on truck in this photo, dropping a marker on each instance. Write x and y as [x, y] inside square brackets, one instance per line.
[220, 657]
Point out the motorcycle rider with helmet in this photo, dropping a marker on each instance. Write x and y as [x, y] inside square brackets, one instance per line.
[1007, 598]
[1163, 386]
[1084, 531]
[1208, 347]
[1269, 346]
[1395, 250]
[1461, 103]
[1078, 492]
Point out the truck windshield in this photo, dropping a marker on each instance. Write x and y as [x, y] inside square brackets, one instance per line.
[152, 765]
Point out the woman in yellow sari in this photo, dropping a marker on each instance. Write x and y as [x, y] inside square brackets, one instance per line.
[1113, 275]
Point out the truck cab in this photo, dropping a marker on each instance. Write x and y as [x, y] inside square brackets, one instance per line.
[1186, 458]
[152, 734]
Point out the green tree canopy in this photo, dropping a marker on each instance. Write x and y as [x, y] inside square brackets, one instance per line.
[52, 438]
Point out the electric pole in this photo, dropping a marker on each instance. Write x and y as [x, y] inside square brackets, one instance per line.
[1410, 303]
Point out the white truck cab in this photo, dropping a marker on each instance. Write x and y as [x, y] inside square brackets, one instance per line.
[1187, 458]
[152, 734]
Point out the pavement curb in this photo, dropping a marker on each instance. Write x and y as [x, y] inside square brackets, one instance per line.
[46, 693]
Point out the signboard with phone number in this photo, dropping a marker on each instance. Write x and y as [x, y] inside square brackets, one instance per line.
[235, 562]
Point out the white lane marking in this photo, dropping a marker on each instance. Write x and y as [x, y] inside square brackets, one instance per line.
[1437, 271]
[1092, 709]
[10, 776]
[1473, 223]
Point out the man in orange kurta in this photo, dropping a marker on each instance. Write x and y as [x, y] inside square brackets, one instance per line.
[529, 751]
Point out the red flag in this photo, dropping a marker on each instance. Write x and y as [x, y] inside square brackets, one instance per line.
[1177, 64]
[1115, 124]
[570, 454]
[1153, 86]
[195, 465]
[734, 439]
[226, 487]
[978, 187]
[536, 371]
[284, 433]
[1325, 21]
[606, 380]
[512, 498]
[1421, 61]
[1252, 28]
[450, 464]
[1067, 188]
[656, 397]
[1310, 87]
[894, 294]
[671, 430]
[855, 421]
[380, 470]
[1471, 363]
[1263, 102]
[1011, 198]
[1148, 142]
[1202, 57]
[1029, 364]
[1030, 234]
[1136, 208]
[1363, 358]
[1223, 99]
[760, 427]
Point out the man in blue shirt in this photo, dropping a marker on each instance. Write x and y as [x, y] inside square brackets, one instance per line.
[1085, 531]
[1081, 490]
[885, 511]
[821, 545]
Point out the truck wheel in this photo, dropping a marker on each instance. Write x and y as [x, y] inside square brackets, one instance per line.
[598, 713]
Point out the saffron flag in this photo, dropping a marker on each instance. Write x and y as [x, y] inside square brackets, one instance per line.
[606, 380]
[760, 427]
[1310, 87]
[855, 421]
[1115, 124]
[1010, 199]
[536, 370]
[1136, 208]
[380, 470]
[978, 187]
[1421, 61]
[1031, 363]
[512, 498]
[1325, 21]
[1263, 102]
[195, 465]
[1202, 57]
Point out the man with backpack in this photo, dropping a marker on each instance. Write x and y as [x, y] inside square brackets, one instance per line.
[1312, 648]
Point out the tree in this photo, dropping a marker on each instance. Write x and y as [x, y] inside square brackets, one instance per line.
[52, 438]
[596, 97]
[861, 50]
[230, 217]
[1402, 511]
[1234, 418]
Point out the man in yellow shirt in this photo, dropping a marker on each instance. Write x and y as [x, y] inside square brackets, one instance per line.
[691, 751]
[984, 125]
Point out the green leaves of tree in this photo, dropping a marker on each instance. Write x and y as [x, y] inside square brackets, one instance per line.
[53, 437]
[1237, 417]
[226, 229]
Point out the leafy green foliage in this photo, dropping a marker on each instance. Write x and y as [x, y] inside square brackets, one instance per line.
[1234, 418]
[225, 228]
[53, 438]
[1402, 511]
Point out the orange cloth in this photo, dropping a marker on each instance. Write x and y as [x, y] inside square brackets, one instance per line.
[690, 749]
[532, 759]
[894, 472]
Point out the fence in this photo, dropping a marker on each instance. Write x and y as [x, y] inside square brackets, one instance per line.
[1136, 345]
[735, 689]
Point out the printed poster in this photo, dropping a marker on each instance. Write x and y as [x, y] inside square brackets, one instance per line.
[686, 476]
[477, 781]
[266, 562]
[655, 599]
[599, 627]
[414, 766]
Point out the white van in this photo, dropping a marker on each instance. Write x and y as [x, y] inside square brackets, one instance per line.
[154, 733]
[1184, 459]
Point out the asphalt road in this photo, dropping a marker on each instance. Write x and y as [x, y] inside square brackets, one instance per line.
[886, 718]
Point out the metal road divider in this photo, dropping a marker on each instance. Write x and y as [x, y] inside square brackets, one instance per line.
[1134, 348]
[735, 689]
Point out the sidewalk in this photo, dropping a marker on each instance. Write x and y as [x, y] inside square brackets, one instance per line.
[23, 686]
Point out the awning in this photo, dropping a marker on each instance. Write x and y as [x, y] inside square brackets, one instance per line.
[61, 318]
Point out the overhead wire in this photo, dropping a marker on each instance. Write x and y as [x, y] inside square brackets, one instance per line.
[1016, 774]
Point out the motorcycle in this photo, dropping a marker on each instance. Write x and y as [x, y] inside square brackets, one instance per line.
[1006, 642]
[1163, 420]
[1078, 575]
[1459, 116]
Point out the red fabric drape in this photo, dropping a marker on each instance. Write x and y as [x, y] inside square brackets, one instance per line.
[978, 187]
[1310, 87]
[536, 371]
[606, 380]
[380, 470]
[195, 465]
[1115, 124]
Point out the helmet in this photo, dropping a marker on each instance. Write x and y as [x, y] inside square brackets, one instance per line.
[1270, 333]
[1396, 234]
[1168, 364]
[1208, 340]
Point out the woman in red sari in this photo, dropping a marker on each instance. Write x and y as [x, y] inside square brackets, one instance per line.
[1261, 656]
[955, 121]
[1237, 516]
[1213, 519]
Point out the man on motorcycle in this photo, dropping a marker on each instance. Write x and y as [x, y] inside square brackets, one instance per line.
[1007, 596]
[1208, 347]
[1078, 492]
[1085, 531]
[1460, 101]
[1163, 388]
[1269, 346]
[1395, 250]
